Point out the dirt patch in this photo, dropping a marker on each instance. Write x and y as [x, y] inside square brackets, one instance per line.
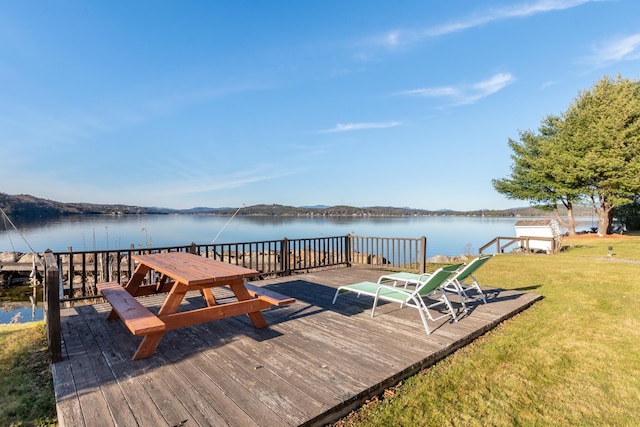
[595, 236]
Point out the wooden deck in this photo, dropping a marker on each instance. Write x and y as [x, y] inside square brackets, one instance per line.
[313, 364]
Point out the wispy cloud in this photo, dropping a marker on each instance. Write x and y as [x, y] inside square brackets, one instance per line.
[396, 38]
[171, 102]
[465, 94]
[346, 127]
[202, 185]
[35, 128]
[548, 84]
[216, 184]
[622, 48]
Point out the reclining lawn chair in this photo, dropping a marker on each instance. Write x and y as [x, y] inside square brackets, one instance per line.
[458, 285]
[430, 288]
[408, 279]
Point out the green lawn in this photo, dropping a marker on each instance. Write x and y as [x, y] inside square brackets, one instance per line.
[26, 385]
[571, 359]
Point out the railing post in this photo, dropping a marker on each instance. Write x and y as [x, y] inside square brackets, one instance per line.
[70, 269]
[423, 255]
[347, 248]
[285, 257]
[52, 306]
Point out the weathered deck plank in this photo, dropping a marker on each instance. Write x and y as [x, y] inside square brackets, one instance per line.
[315, 362]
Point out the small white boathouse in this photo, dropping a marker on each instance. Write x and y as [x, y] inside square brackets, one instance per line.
[547, 228]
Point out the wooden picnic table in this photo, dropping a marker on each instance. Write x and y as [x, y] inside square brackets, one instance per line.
[180, 272]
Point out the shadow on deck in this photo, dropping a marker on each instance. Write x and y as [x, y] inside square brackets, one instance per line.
[314, 363]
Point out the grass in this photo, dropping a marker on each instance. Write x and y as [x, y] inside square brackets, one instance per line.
[571, 359]
[26, 385]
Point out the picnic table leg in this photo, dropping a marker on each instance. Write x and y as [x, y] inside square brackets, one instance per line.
[148, 346]
[242, 294]
[208, 296]
[112, 315]
[164, 283]
[132, 285]
[136, 280]
[173, 300]
[150, 342]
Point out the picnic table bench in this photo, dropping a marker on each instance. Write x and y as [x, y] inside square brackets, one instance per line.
[137, 318]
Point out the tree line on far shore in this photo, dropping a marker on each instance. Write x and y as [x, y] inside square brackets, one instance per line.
[590, 154]
[22, 208]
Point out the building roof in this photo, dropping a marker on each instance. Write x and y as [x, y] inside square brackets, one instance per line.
[535, 222]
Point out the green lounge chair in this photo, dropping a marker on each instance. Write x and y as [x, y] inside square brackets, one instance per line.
[405, 279]
[430, 287]
[457, 283]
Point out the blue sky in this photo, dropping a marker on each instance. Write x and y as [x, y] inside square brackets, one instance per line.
[231, 103]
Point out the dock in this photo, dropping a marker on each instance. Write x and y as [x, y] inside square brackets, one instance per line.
[316, 362]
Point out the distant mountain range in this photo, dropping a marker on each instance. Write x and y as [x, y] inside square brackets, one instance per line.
[26, 207]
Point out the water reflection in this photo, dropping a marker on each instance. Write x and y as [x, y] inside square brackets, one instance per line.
[20, 312]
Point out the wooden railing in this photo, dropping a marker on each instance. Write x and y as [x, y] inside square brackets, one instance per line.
[71, 276]
[408, 254]
[524, 243]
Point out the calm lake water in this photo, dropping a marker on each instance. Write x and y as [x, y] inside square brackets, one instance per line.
[446, 235]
